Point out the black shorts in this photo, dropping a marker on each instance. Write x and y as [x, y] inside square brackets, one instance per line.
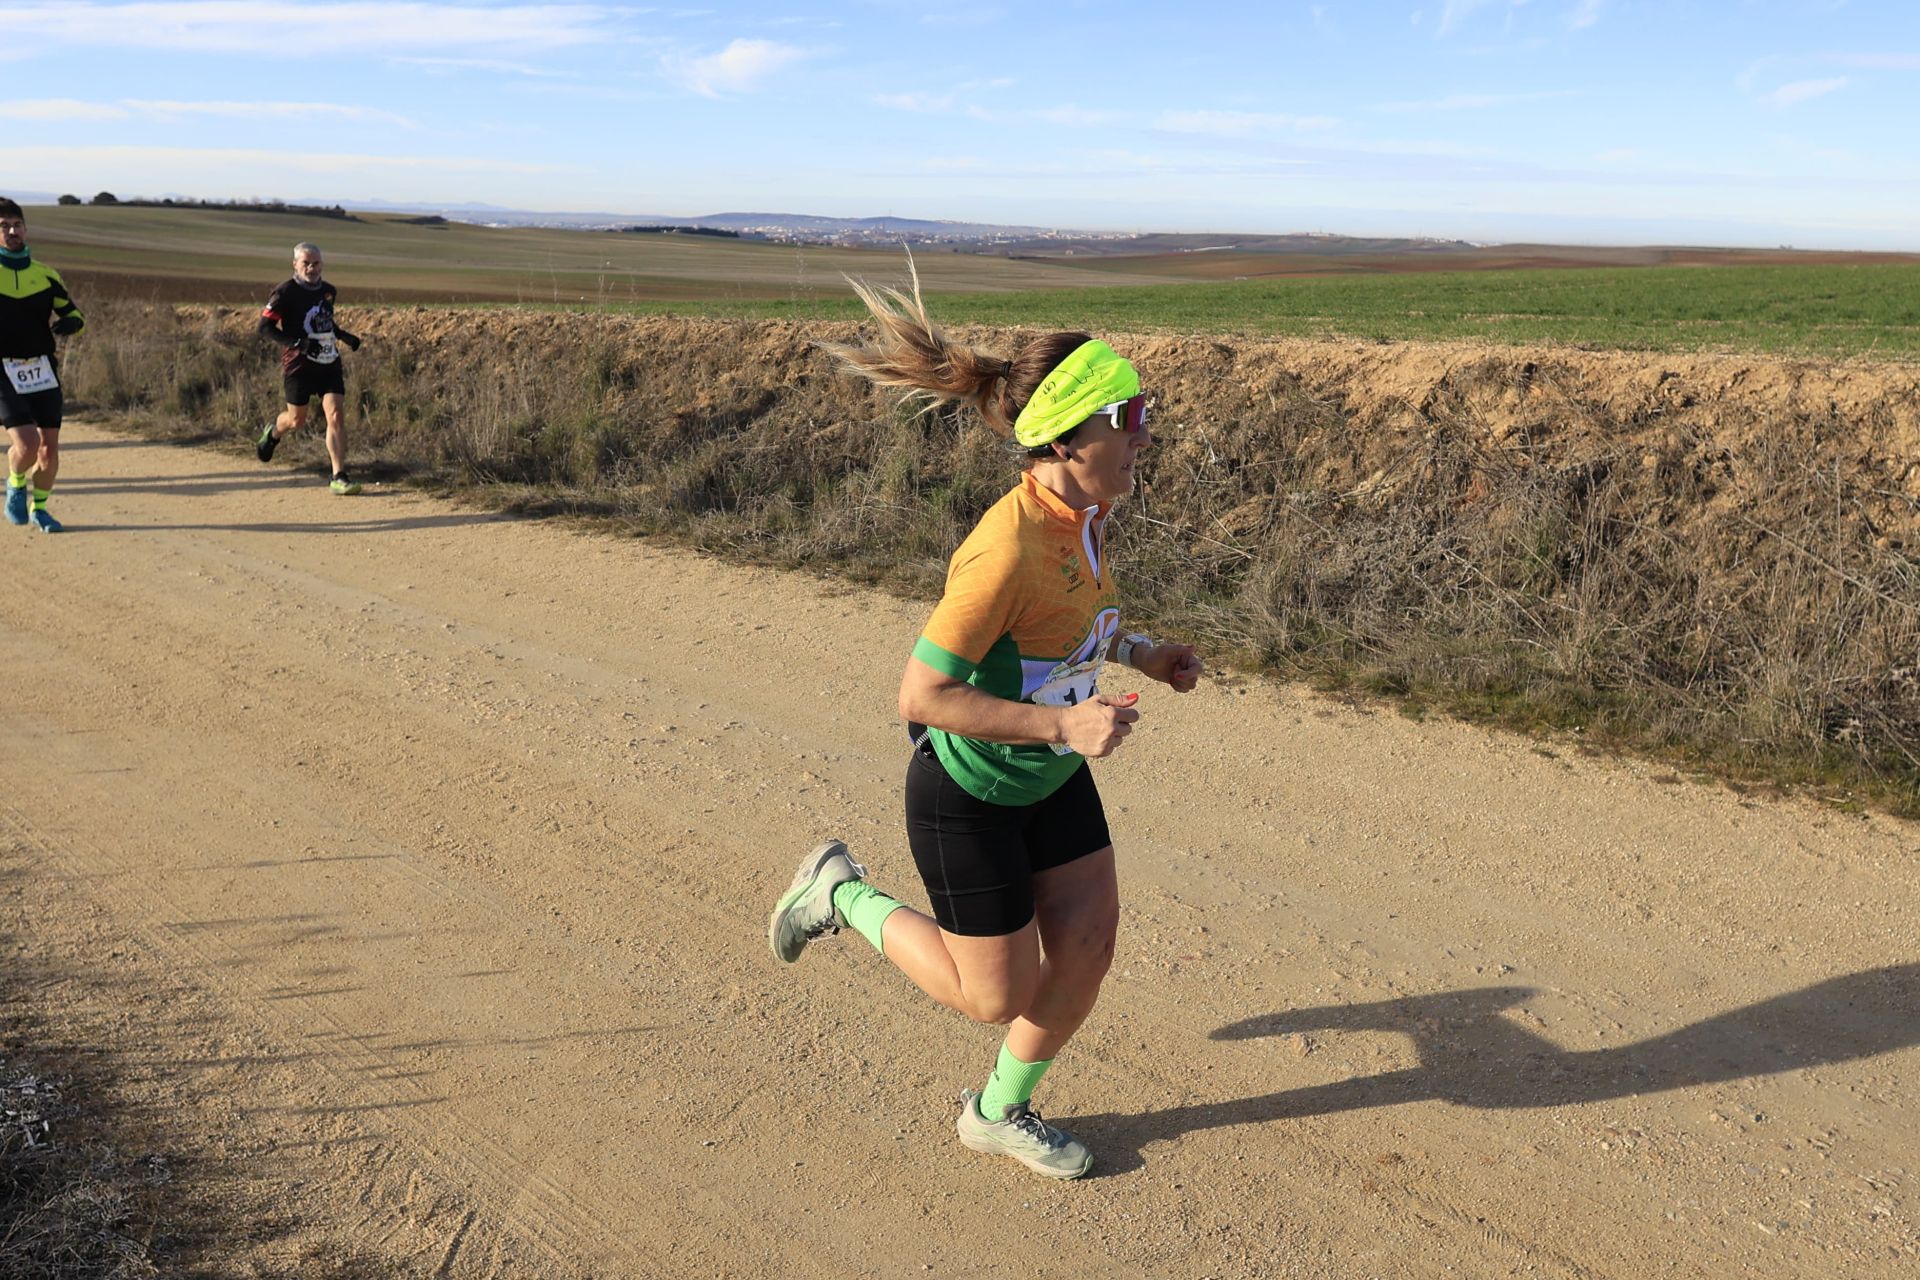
[311, 380]
[978, 859]
[39, 408]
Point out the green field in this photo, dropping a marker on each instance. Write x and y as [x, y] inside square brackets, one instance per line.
[1825, 311]
[1827, 306]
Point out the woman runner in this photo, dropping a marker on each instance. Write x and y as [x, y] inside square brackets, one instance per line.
[1002, 697]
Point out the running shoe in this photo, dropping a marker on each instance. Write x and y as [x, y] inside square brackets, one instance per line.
[1022, 1134]
[16, 504]
[806, 910]
[343, 485]
[44, 522]
[265, 445]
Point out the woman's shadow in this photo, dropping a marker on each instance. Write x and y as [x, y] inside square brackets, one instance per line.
[1473, 1056]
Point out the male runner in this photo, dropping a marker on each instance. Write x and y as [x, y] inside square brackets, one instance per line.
[299, 316]
[34, 307]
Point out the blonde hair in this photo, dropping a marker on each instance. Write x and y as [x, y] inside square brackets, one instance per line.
[913, 353]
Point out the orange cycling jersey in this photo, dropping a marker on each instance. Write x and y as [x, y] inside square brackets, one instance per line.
[1028, 615]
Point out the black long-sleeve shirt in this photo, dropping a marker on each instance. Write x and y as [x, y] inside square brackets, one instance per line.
[296, 312]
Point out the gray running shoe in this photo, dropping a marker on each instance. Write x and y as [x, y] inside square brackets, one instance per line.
[806, 910]
[1050, 1152]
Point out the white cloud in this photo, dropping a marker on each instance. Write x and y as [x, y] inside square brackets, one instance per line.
[1747, 78]
[929, 104]
[1878, 61]
[1454, 12]
[65, 109]
[964, 18]
[955, 164]
[1239, 124]
[69, 109]
[494, 65]
[262, 26]
[1472, 101]
[741, 67]
[260, 110]
[1788, 95]
[1585, 14]
[1071, 117]
[214, 161]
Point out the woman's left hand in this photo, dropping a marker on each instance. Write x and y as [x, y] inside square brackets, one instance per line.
[1173, 664]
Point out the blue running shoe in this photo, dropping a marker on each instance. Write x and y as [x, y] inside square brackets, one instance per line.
[44, 522]
[16, 505]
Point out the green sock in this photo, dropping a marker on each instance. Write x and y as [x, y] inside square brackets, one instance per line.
[18, 479]
[1011, 1085]
[866, 909]
[40, 499]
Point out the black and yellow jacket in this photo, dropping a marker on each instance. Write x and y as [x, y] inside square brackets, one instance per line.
[31, 294]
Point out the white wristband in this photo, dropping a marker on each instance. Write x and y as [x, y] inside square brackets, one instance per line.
[1128, 643]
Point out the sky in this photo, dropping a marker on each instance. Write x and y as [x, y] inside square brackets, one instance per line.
[1737, 122]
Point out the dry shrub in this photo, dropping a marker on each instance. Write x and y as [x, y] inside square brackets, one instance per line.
[1705, 557]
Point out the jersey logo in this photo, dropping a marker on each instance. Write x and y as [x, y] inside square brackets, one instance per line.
[1106, 625]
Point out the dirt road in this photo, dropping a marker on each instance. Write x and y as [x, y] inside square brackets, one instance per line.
[430, 853]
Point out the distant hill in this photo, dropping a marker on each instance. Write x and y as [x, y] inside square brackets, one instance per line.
[899, 226]
[1067, 244]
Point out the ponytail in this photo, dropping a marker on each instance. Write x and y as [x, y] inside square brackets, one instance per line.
[913, 353]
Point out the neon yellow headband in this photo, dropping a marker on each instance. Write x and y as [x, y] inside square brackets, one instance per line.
[1091, 376]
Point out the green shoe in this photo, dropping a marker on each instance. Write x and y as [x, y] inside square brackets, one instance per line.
[343, 485]
[806, 910]
[264, 445]
[1022, 1134]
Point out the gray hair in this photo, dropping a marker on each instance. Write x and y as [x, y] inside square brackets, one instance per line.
[307, 246]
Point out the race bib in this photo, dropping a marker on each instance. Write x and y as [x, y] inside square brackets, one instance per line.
[1069, 685]
[29, 376]
[324, 349]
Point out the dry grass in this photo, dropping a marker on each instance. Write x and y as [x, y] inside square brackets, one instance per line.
[1696, 588]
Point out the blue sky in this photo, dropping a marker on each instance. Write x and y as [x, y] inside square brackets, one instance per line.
[1743, 122]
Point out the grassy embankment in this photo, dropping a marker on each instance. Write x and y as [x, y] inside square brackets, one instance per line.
[1641, 569]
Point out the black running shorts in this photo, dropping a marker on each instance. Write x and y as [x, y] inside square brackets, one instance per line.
[37, 408]
[315, 380]
[978, 860]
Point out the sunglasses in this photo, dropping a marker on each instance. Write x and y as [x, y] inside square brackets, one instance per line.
[1128, 415]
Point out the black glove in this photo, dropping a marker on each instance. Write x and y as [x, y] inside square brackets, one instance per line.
[309, 346]
[68, 324]
[353, 343]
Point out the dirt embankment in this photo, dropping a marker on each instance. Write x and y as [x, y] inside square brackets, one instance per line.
[1856, 424]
